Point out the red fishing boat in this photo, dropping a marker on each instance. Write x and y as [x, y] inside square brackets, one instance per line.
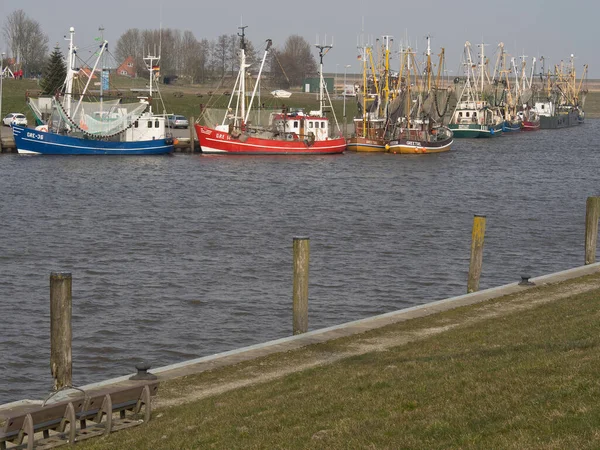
[287, 132]
[530, 120]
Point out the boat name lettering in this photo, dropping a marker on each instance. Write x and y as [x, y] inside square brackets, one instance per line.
[463, 127]
[221, 136]
[413, 143]
[35, 136]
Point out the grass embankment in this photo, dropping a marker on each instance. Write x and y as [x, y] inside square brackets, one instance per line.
[517, 372]
[186, 99]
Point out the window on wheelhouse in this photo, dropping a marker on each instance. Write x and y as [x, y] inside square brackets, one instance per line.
[156, 124]
[149, 124]
[295, 124]
[136, 124]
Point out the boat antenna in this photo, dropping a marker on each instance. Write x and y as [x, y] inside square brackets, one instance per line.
[242, 36]
[323, 49]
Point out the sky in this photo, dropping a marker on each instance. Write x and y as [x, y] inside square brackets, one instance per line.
[552, 29]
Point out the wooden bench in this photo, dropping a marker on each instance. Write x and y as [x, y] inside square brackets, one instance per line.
[68, 421]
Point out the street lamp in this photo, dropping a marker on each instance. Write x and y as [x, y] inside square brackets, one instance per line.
[335, 78]
[344, 87]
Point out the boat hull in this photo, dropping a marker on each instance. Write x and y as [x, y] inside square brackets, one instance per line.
[511, 126]
[361, 144]
[219, 142]
[36, 142]
[561, 120]
[407, 147]
[530, 126]
[475, 130]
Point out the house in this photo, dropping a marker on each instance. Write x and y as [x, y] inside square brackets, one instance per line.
[85, 72]
[127, 68]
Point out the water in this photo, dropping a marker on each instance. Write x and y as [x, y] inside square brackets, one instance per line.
[184, 256]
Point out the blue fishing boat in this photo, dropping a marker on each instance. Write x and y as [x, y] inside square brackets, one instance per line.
[36, 141]
[71, 124]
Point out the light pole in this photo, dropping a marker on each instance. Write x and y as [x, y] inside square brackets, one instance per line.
[335, 78]
[344, 93]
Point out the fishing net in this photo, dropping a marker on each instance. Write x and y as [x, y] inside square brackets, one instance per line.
[102, 119]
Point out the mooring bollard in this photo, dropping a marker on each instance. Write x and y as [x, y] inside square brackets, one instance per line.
[300, 294]
[192, 143]
[61, 364]
[477, 237]
[592, 214]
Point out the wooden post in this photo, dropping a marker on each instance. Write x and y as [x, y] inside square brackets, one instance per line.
[477, 237]
[192, 143]
[61, 364]
[592, 213]
[300, 295]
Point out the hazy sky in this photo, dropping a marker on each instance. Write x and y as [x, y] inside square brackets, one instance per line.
[554, 29]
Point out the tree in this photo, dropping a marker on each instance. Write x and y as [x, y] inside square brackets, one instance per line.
[27, 41]
[54, 73]
[220, 54]
[294, 63]
[130, 44]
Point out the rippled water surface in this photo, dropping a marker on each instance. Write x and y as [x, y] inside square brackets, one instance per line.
[188, 255]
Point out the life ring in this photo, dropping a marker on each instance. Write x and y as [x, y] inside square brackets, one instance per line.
[43, 128]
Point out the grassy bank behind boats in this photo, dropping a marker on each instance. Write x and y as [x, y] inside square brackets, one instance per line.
[519, 371]
[186, 99]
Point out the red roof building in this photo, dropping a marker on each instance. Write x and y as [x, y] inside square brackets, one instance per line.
[127, 68]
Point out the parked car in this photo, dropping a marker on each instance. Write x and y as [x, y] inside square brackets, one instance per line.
[175, 121]
[14, 119]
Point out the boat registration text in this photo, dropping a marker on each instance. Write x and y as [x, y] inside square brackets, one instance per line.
[35, 136]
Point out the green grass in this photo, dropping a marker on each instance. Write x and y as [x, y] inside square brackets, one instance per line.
[522, 380]
[192, 96]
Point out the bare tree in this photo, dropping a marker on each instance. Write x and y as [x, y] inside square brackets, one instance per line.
[294, 63]
[27, 42]
[192, 57]
[130, 44]
[204, 52]
[220, 54]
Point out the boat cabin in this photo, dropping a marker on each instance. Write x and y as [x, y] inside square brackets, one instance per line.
[297, 125]
[370, 129]
[475, 113]
[146, 128]
[544, 108]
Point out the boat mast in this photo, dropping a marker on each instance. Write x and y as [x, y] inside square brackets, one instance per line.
[481, 65]
[364, 112]
[70, 73]
[386, 90]
[428, 68]
[323, 49]
[269, 43]
[151, 64]
[242, 96]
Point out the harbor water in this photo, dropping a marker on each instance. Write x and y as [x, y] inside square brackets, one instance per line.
[182, 256]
